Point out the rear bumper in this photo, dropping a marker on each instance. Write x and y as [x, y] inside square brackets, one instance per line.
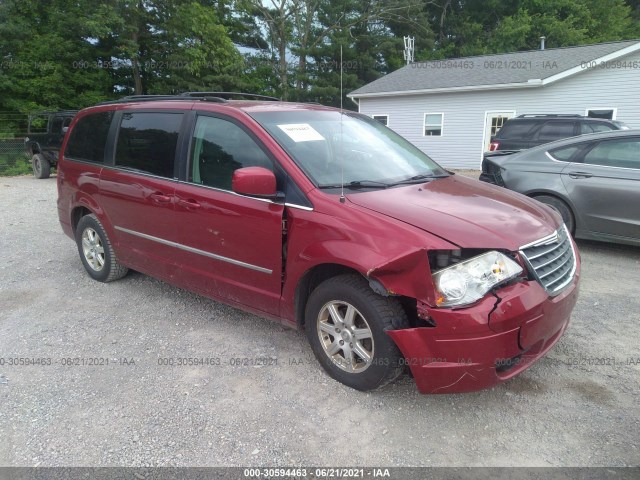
[493, 178]
[481, 346]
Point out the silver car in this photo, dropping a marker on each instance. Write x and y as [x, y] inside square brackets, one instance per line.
[593, 181]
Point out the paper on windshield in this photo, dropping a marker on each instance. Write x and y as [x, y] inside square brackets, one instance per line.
[301, 132]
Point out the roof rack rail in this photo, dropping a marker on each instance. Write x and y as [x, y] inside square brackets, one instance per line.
[154, 98]
[200, 96]
[230, 95]
[533, 115]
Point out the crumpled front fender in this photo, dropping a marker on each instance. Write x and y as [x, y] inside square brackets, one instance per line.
[407, 275]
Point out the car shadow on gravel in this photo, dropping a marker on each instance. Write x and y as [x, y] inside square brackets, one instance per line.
[629, 251]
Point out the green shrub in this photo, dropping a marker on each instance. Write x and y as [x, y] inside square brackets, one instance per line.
[12, 164]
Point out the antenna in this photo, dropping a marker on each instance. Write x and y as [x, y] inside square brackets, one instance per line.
[341, 155]
[409, 48]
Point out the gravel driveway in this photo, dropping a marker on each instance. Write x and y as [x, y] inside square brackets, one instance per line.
[578, 406]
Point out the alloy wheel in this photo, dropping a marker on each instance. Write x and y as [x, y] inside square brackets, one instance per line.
[345, 336]
[93, 249]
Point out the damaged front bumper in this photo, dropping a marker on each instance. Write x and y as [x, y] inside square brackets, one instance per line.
[488, 343]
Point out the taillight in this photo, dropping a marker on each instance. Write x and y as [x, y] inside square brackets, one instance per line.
[493, 146]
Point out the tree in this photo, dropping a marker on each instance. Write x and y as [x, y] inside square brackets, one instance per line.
[475, 27]
[74, 53]
[48, 55]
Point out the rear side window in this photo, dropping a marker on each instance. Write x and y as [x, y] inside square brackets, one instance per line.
[551, 131]
[147, 142]
[564, 154]
[515, 129]
[89, 137]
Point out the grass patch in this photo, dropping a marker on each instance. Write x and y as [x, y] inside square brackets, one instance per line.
[12, 164]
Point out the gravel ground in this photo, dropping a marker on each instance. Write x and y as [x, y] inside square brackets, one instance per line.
[135, 412]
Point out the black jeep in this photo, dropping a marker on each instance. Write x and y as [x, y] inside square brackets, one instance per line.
[45, 134]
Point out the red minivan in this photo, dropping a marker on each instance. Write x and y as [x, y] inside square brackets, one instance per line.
[325, 220]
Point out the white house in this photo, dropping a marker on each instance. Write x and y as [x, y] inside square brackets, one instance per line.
[450, 108]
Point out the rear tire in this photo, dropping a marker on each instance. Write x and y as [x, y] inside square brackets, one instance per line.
[346, 324]
[562, 208]
[41, 166]
[96, 252]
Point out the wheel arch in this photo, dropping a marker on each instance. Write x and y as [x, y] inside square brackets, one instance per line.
[85, 204]
[77, 213]
[310, 280]
[33, 148]
[318, 274]
[552, 193]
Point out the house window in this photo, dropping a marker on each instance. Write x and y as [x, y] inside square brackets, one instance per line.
[433, 124]
[383, 119]
[497, 122]
[602, 112]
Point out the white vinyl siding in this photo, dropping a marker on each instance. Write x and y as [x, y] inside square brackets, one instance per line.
[462, 145]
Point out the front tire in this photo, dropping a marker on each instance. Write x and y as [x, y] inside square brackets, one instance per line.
[41, 166]
[96, 252]
[346, 324]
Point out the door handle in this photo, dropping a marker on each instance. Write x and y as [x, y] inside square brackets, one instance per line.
[580, 175]
[160, 197]
[189, 204]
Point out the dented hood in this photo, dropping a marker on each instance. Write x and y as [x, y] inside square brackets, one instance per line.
[466, 212]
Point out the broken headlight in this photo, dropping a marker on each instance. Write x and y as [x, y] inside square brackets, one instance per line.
[470, 280]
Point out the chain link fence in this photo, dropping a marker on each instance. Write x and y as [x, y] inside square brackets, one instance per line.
[14, 159]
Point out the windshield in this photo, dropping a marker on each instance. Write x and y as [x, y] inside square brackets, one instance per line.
[371, 155]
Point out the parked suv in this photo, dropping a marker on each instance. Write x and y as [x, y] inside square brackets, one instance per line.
[327, 221]
[46, 131]
[526, 131]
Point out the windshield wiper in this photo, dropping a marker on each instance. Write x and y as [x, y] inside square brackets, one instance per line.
[358, 184]
[419, 179]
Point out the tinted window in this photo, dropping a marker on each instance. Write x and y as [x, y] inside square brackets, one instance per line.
[564, 154]
[220, 147]
[515, 129]
[89, 136]
[56, 125]
[556, 130]
[147, 142]
[615, 153]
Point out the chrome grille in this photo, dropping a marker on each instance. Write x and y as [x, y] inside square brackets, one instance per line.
[551, 260]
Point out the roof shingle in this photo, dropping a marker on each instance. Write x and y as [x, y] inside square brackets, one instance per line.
[498, 69]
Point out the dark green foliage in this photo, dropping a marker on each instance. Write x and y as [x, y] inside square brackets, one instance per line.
[68, 54]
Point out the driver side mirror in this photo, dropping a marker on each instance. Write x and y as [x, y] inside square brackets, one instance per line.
[254, 182]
